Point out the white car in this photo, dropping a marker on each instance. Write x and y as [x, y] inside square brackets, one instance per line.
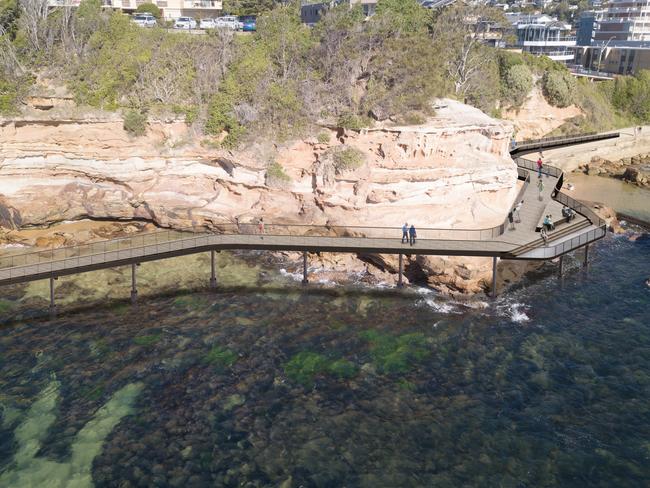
[144, 20]
[229, 22]
[185, 23]
[208, 24]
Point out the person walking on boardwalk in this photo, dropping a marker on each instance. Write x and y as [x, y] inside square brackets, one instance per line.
[412, 234]
[260, 226]
[539, 167]
[405, 232]
[518, 211]
[540, 187]
[511, 219]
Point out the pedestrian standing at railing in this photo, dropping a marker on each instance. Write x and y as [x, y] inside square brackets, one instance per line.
[260, 226]
[540, 187]
[405, 232]
[517, 212]
[511, 219]
[539, 167]
[412, 234]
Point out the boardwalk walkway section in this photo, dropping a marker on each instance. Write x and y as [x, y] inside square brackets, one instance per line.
[501, 241]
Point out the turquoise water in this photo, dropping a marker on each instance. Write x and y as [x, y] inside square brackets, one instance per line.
[547, 386]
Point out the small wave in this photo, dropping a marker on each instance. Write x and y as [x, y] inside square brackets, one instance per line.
[423, 291]
[441, 307]
[517, 313]
[293, 276]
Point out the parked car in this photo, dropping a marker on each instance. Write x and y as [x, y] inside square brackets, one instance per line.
[229, 22]
[248, 22]
[185, 23]
[144, 20]
[208, 24]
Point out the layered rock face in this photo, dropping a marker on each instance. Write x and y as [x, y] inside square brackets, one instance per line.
[452, 172]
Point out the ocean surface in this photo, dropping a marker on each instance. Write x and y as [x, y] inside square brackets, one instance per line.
[549, 385]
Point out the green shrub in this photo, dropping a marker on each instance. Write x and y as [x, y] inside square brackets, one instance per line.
[275, 175]
[517, 83]
[353, 122]
[149, 8]
[135, 122]
[221, 118]
[323, 138]
[559, 88]
[413, 118]
[348, 159]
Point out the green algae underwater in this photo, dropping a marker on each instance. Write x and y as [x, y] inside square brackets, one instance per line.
[267, 384]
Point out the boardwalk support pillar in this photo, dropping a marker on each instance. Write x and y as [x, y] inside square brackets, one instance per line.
[561, 268]
[304, 268]
[400, 281]
[493, 291]
[586, 261]
[213, 274]
[52, 304]
[134, 290]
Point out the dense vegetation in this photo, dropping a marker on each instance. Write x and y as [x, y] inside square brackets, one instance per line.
[286, 78]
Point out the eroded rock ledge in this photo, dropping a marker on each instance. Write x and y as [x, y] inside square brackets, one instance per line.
[452, 172]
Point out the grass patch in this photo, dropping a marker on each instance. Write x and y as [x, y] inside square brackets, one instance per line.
[147, 340]
[135, 122]
[396, 354]
[348, 159]
[220, 357]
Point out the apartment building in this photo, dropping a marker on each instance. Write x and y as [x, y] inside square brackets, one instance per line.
[616, 39]
[171, 9]
[543, 35]
[624, 20]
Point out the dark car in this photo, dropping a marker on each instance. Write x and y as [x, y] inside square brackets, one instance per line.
[249, 23]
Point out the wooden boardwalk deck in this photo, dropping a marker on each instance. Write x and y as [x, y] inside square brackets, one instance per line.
[522, 242]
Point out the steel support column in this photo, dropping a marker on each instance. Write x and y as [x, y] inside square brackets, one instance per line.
[561, 267]
[52, 304]
[400, 281]
[304, 268]
[586, 261]
[134, 290]
[493, 291]
[213, 274]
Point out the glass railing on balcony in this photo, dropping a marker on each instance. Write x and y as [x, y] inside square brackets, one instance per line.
[211, 4]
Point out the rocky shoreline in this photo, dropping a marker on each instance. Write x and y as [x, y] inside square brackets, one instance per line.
[634, 170]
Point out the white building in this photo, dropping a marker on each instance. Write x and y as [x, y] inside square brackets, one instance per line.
[624, 20]
[542, 35]
[171, 9]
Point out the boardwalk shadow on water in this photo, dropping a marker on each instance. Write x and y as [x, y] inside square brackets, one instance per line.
[290, 386]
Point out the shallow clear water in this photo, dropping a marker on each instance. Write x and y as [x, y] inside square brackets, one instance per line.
[547, 386]
[622, 197]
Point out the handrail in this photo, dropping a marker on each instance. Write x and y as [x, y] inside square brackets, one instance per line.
[546, 140]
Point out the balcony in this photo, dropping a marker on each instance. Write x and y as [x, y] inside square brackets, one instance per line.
[203, 4]
[562, 41]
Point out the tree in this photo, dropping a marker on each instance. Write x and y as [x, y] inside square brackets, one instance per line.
[559, 88]
[9, 14]
[517, 83]
[33, 21]
[149, 8]
[457, 44]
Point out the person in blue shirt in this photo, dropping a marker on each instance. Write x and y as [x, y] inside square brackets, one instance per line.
[405, 232]
[412, 234]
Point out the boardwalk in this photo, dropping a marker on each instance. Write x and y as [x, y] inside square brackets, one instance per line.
[498, 242]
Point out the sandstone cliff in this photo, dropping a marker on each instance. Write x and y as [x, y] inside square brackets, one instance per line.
[452, 171]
